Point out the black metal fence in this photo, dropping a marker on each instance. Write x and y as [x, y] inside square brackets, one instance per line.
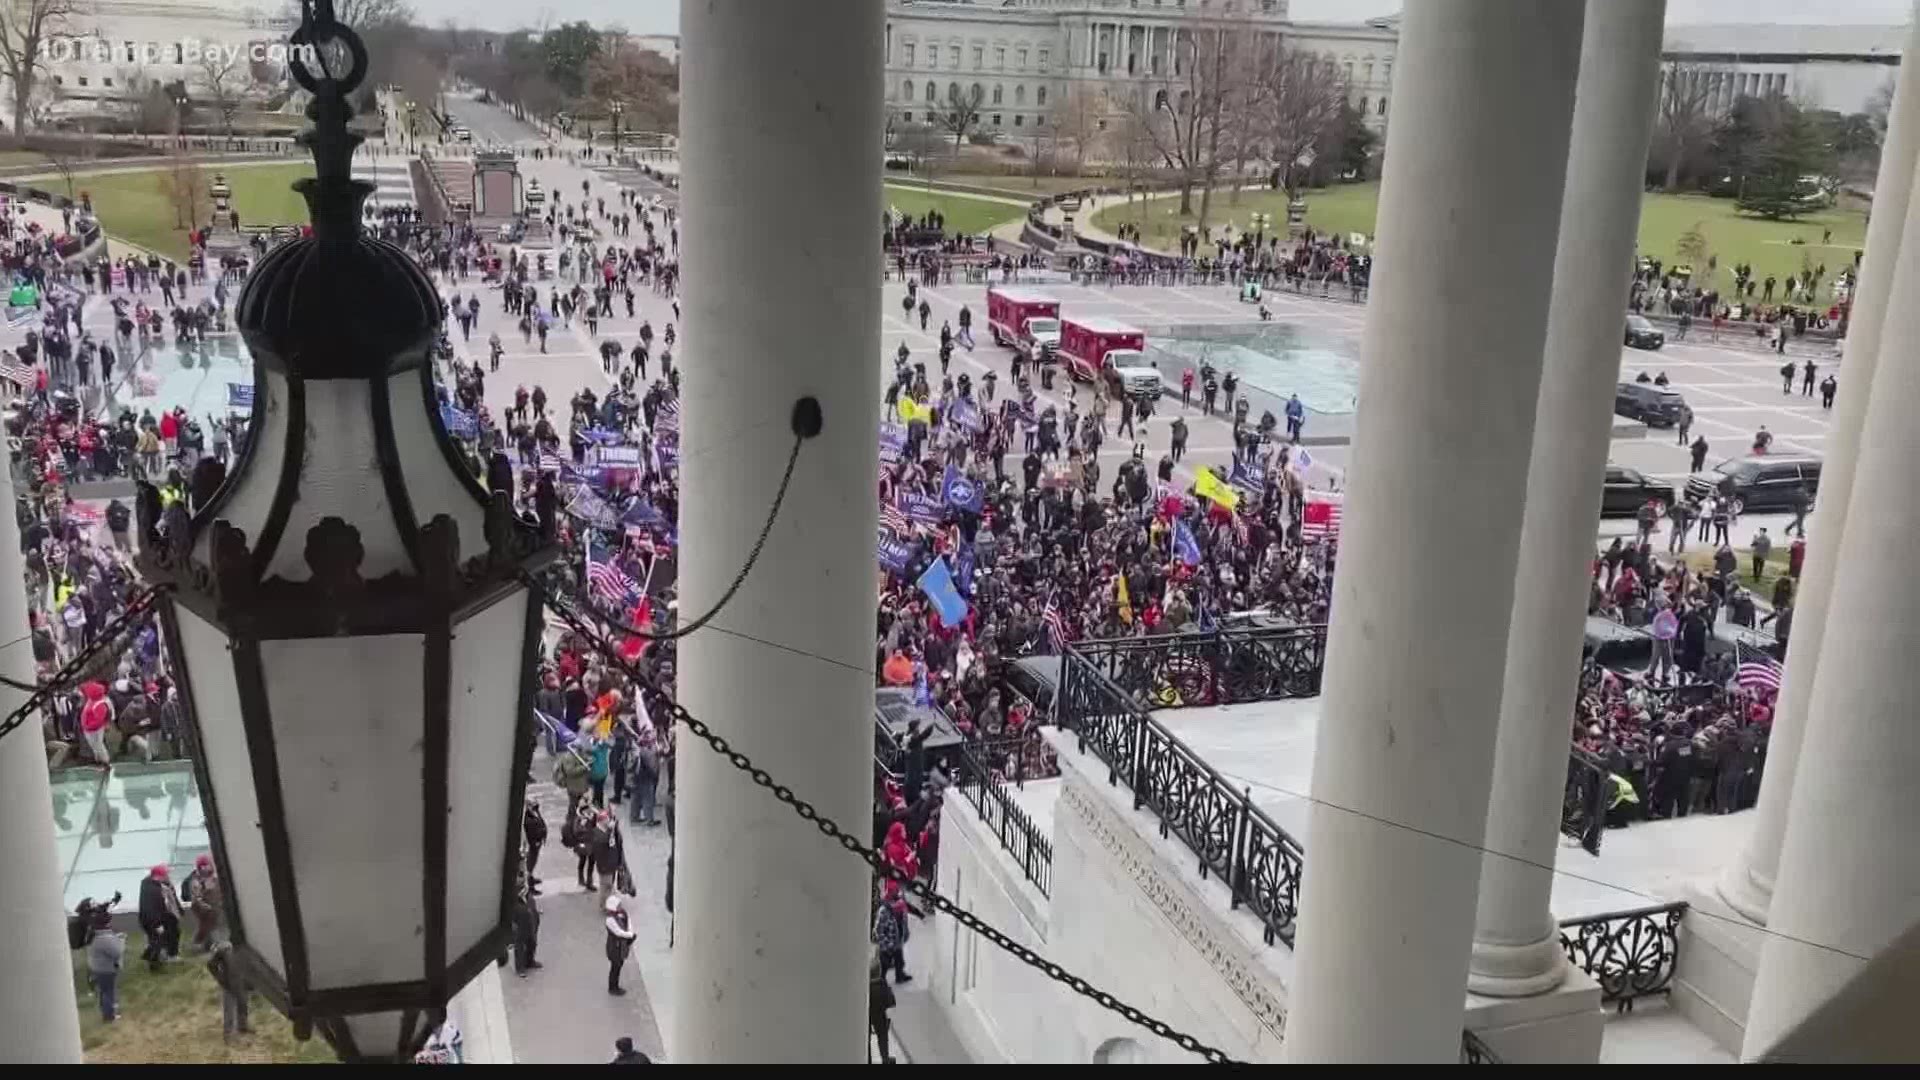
[1221, 667]
[1631, 954]
[1234, 839]
[1583, 812]
[1018, 834]
[1475, 1052]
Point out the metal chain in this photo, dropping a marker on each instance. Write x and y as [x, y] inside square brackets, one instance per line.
[109, 638]
[874, 859]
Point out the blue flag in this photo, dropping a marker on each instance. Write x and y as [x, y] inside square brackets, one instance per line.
[1248, 474]
[922, 508]
[1184, 544]
[893, 442]
[239, 395]
[961, 492]
[642, 513]
[967, 415]
[892, 553]
[937, 583]
[963, 565]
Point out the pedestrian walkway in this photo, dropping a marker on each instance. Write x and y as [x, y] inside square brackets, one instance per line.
[392, 180]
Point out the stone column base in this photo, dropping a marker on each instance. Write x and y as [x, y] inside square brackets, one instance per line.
[1560, 1027]
[1513, 971]
[1719, 957]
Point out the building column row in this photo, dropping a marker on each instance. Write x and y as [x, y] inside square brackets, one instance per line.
[1405, 753]
[1516, 949]
[1747, 885]
[1848, 877]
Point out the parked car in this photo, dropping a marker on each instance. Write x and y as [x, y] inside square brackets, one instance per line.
[1642, 334]
[1759, 483]
[1654, 406]
[1627, 490]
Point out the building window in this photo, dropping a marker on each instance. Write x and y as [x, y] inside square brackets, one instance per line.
[978, 94]
[1040, 121]
[1019, 95]
[83, 80]
[1100, 63]
[1367, 73]
[906, 90]
[1159, 100]
[1346, 71]
[933, 95]
[58, 81]
[996, 119]
[1386, 72]
[1044, 53]
[106, 81]
[953, 92]
[979, 57]
[1363, 104]
[1040, 96]
[1020, 59]
[906, 117]
[180, 53]
[1381, 110]
[906, 53]
[1016, 119]
[998, 90]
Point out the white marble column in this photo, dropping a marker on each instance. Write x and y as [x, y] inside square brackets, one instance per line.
[1747, 884]
[1849, 879]
[39, 1023]
[1516, 949]
[1475, 162]
[781, 114]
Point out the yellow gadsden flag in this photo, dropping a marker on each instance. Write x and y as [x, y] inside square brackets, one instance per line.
[1209, 486]
[911, 410]
[1122, 600]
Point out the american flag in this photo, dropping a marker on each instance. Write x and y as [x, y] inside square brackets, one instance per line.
[610, 584]
[894, 520]
[18, 374]
[1320, 517]
[1757, 671]
[1056, 626]
[551, 462]
[666, 421]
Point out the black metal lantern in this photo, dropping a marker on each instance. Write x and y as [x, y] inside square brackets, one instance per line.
[354, 630]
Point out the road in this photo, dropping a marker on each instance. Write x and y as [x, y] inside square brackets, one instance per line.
[491, 125]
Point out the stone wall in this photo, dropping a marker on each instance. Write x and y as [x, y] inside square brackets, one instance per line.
[1129, 912]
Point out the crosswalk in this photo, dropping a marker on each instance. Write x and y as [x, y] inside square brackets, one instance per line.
[392, 181]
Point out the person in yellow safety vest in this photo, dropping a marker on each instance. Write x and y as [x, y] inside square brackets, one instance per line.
[1624, 798]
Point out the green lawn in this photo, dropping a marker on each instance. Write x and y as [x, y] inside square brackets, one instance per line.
[963, 214]
[135, 206]
[173, 1017]
[1732, 237]
[9, 158]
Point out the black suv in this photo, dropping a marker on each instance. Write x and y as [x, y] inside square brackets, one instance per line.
[1627, 490]
[1759, 483]
[1654, 406]
[1642, 334]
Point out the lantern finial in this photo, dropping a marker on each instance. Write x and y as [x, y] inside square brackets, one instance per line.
[334, 198]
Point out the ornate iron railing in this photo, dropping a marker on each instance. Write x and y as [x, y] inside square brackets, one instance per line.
[1583, 812]
[1475, 1052]
[1234, 839]
[1220, 667]
[980, 770]
[1631, 954]
[1018, 834]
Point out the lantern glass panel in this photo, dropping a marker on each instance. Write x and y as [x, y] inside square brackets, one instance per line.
[340, 477]
[248, 498]
[376, 1035]
[484, 707]
[223, 743]
[348, 719]
[433, 487]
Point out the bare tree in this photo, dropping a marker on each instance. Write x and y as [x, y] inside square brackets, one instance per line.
[26, 26]
[640, 79]
[1075, 117]
[920, 144]
[962, 113]
[1689, 109]
[1182, 111]
[1298, 110]
[225, 80]
[187, 190]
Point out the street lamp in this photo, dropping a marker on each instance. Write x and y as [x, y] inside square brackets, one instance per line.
[616, 108]
[1260, 223]
[354, 624]
[413, 120]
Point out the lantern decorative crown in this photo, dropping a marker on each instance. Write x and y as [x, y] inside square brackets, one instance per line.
[355, 632]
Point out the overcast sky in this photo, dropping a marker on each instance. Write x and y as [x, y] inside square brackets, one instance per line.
[663, 16]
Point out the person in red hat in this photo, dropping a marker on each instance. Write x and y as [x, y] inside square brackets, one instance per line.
[202, 893]
[159, 917]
